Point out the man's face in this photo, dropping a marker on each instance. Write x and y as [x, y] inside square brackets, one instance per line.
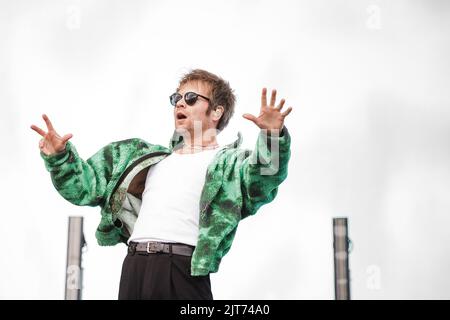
[186, 116]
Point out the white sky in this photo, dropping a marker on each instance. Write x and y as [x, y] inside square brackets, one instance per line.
[368, 81]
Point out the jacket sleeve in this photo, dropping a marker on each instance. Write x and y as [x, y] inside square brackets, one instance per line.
[81, 182]
[264, 170]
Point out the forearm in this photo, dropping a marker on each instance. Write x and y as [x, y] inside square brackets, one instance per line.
[264, 170]
[78, 181]
[270, 156]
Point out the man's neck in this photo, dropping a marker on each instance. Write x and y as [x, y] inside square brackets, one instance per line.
[194, 144]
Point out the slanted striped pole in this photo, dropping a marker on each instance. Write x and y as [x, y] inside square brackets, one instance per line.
[341, 265]
[74, 272]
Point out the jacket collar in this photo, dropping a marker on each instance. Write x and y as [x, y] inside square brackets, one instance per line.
[177, 142]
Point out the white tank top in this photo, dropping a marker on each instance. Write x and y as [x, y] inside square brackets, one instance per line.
[170, 201]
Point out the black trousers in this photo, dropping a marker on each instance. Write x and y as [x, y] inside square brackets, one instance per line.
[161, 276]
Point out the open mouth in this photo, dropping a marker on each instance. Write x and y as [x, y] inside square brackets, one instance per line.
[181, 116]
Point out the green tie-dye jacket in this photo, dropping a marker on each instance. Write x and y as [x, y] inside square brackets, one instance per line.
[237, 183]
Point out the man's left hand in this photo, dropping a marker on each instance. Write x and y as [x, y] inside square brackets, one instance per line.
[270, 117]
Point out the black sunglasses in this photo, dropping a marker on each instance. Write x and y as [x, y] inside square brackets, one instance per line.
[189, 97]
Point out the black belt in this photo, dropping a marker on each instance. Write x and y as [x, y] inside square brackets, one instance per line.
[160, 247]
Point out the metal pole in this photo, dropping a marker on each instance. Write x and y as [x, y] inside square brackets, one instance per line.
[75, 243]
[341, 250]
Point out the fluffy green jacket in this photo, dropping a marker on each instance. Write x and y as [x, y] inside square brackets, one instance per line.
[237, 183]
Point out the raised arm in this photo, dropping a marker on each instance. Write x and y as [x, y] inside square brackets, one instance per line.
[78, 181]
[266, 167]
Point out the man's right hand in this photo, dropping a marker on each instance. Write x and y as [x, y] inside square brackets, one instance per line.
[51, 141]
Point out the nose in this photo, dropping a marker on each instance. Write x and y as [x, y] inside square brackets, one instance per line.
[180, 103]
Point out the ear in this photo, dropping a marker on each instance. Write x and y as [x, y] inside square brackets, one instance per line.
[218, 112]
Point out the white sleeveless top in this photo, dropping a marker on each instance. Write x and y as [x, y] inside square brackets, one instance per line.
[171, 199]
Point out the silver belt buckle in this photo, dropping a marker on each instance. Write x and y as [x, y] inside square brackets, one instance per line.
[152, 247]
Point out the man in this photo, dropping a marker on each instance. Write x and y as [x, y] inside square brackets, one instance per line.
[178, 216]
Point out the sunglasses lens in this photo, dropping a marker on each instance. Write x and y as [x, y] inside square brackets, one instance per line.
[174, 98]
[190, 98]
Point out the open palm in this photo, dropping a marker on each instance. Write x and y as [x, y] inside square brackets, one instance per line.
[270, 116]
